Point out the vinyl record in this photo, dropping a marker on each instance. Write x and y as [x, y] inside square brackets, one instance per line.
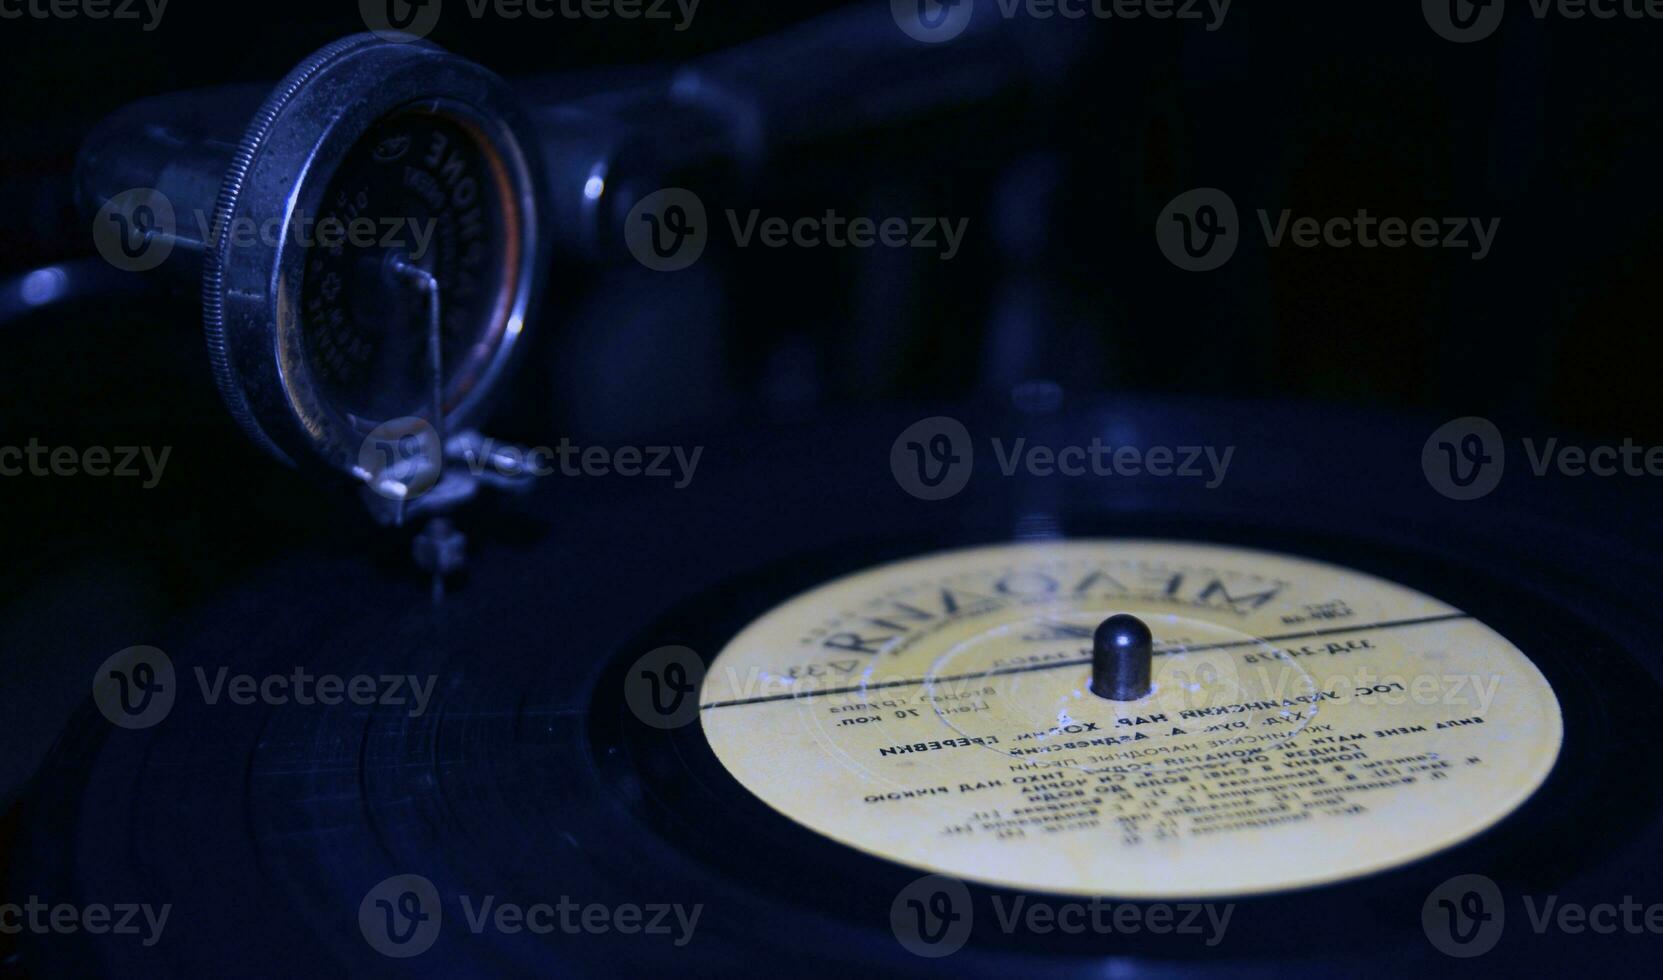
[808, 714]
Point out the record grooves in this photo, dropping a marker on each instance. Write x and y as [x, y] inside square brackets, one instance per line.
[1589, 805]
[529, 777]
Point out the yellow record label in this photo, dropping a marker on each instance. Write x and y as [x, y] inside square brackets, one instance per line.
[1308, 722]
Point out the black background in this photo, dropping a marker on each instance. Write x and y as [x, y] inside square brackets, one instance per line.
[1318, 107]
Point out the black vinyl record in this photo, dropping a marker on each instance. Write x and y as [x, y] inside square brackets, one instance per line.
[505, 763]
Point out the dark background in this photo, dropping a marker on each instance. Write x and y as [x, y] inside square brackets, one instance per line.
[1318, 107]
